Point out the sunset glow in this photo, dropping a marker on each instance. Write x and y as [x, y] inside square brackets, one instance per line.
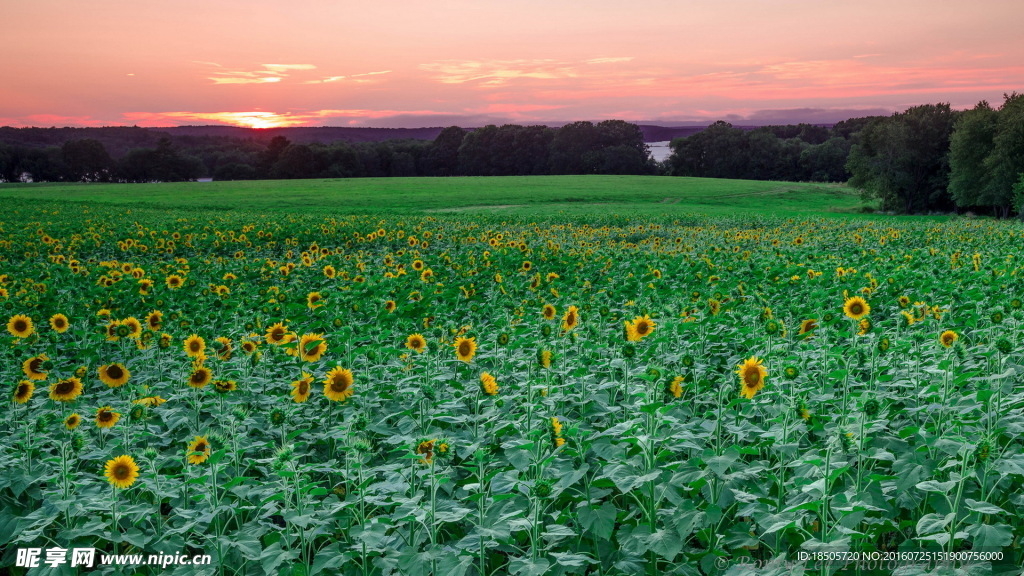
[267, 63]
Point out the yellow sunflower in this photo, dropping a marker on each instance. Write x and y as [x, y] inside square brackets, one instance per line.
[416, 342]
[277, 334]
[72, 421]
[301, 388]
[198, 450]
[59, 323]
[314, 300]
[194, 346]
[200, 377]
[856, 308]
[154, 321]
[948, 337]
[122, 471]
[549, 312]
[390, 306]
[312, 347]
[808, 325]
[223, 347]
[66, 390]
[174, 281]
[338, 384]
[23, 393]
[134, 326]
[150, 401]
[35, 367]
[752, 375]
[488, 384]
[571, 319]
[20, 326]
[638, 328]
[106, 417]
[114, 375]
[465, 348]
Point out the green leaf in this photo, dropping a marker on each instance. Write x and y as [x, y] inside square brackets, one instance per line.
[984, 507]
[600, 521]
[990, 536]
[932, 523]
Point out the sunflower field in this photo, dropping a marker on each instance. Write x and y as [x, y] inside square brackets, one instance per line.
[470, 395]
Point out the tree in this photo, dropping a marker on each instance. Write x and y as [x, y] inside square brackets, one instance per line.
[444, 152]
[969, 146]
[569, 145]
[903, 160]
[1006, 162]
[87, 160]
[295, 161]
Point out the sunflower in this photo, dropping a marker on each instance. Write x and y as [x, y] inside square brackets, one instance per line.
[488, 384]
[20, 326]
[312, 347]
[198, 450]
[154, 320]
[114, 375]
[23, 393]
[150, 401]
[134, 326]
[249, 346]
[194, 346]
[174, 281]
[904, 301]
[675, 388]
[571, 319]
[465, 348]
[390, 306]
[314, 300]
[165, 341]
[122, 471]
[277, 334]
[223, 347]
[856, 308]
[416, 342]
[72, 421]
[301, 388]
[200, 377]
[66, 390]
[225, 386]
[549, 312]
[752, 375]
[948, 337]
[59, 323]
[338, 384]
[638, 328]
[106, 417]
[426, 450]
[35, 367]
[808, 325]
[544, 358]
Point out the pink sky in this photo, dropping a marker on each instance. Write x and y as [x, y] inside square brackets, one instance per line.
[269, 63]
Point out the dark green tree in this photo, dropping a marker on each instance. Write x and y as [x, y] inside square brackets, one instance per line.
[969, 147]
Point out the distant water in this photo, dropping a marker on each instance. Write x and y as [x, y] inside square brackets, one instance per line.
[660, 150]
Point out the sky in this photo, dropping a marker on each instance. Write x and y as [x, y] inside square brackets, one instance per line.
[399, 63]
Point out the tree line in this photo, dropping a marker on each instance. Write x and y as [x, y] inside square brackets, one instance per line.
[608, 147]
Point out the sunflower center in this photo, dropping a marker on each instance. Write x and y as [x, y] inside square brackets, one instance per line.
[122, 471]
[22, 390]
[856, 308]
[201, 447]
[642, 328]
[751, 376]
[35, 364]
[339, 385]
[58, 322]
[464, 349]
[303, 388]
[198, 377]
[114, 372]
[105, 416]
[194, 346]
[64, 387]
[20, 325]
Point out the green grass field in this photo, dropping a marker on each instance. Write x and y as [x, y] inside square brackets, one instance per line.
[526, 195]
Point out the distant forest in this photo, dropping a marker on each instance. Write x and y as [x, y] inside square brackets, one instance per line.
[926, 159]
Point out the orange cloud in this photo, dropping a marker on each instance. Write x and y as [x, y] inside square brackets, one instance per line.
[270, 74]
[264, 119]
[500, 72]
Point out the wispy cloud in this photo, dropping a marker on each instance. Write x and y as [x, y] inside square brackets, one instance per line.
[614, 60]
[364, 78]
[268, 74]
[498, 72]
[266, 119]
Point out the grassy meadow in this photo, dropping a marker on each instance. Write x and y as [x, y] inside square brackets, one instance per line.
[519, 195]
[608, 375]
